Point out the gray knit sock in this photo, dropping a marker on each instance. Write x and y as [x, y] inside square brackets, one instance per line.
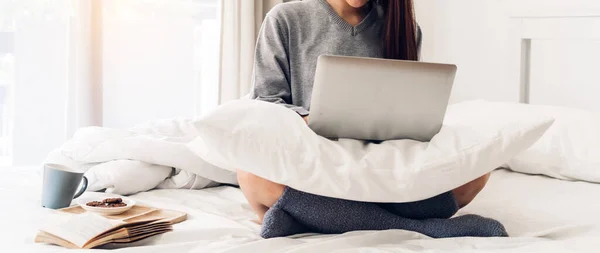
[442, 206]
[299, 212]
[278, 223]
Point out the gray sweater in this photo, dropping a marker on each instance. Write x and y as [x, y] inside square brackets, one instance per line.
[294, 35]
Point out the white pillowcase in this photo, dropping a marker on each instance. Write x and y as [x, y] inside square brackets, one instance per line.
[123, 176]
[273, 142]
[569, 150]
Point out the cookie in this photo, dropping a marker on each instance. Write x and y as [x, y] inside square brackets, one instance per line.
[117, 204]
[113, 200]
[94, 203]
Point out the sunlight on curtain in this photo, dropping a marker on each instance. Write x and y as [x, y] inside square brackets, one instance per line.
[34, 56]
[160, 59]
[66, 64]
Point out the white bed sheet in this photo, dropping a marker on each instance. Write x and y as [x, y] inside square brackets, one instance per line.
[541, 214]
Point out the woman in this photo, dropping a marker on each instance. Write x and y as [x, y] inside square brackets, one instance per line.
[291, 39]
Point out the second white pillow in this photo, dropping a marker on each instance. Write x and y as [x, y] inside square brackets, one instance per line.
[568, 150]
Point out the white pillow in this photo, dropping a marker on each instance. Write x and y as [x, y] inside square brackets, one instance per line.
[569, 150]
[273, 142]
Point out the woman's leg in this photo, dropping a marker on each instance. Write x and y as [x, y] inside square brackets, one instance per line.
[442, 206]
[299, 212]
[466, 193]
[260, 193]
[285, 211]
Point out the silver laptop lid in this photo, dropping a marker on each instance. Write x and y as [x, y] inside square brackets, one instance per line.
[379, 99]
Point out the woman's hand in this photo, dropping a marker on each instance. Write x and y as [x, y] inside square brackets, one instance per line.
[305, 118]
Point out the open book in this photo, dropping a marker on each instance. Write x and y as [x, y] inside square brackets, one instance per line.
[89, 230]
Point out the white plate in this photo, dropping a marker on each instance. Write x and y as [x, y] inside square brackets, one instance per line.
[105, 210]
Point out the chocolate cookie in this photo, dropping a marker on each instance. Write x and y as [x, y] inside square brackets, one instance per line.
[117, 204]
[113, 200]
[94, 203]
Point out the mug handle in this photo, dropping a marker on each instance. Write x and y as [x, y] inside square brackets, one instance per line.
[83, 188]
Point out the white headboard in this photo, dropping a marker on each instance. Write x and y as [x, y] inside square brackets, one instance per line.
[556, 58]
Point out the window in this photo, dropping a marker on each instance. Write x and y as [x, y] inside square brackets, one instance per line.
[34, 56]
[7, 82]
[157, 59]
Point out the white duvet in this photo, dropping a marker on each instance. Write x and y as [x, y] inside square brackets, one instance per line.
[542, 215]
[147, 156]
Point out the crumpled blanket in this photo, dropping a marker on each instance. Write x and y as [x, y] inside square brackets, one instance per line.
[147, 156]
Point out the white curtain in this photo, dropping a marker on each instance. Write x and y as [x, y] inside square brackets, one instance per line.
[240, 24]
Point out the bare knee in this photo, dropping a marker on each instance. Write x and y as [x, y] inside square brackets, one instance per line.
[466, 193]
[258, 189]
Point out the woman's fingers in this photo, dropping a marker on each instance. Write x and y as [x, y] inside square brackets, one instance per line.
[305, 118]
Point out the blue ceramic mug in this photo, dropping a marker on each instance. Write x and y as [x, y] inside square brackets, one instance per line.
[60, 186]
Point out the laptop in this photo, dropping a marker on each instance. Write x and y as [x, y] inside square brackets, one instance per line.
[379, 99]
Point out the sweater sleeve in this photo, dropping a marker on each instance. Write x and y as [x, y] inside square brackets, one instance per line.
[271, 66]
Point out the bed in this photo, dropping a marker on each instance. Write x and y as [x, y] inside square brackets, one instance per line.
[542, 215]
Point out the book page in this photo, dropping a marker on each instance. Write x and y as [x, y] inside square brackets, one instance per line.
[80, 228]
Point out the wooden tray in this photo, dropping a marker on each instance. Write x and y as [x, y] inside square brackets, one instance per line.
[137, 212]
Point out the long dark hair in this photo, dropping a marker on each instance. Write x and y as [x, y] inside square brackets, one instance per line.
[400, 30]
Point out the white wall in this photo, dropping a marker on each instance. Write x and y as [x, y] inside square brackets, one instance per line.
[473, 34]
[558, 76]
[477, 35]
